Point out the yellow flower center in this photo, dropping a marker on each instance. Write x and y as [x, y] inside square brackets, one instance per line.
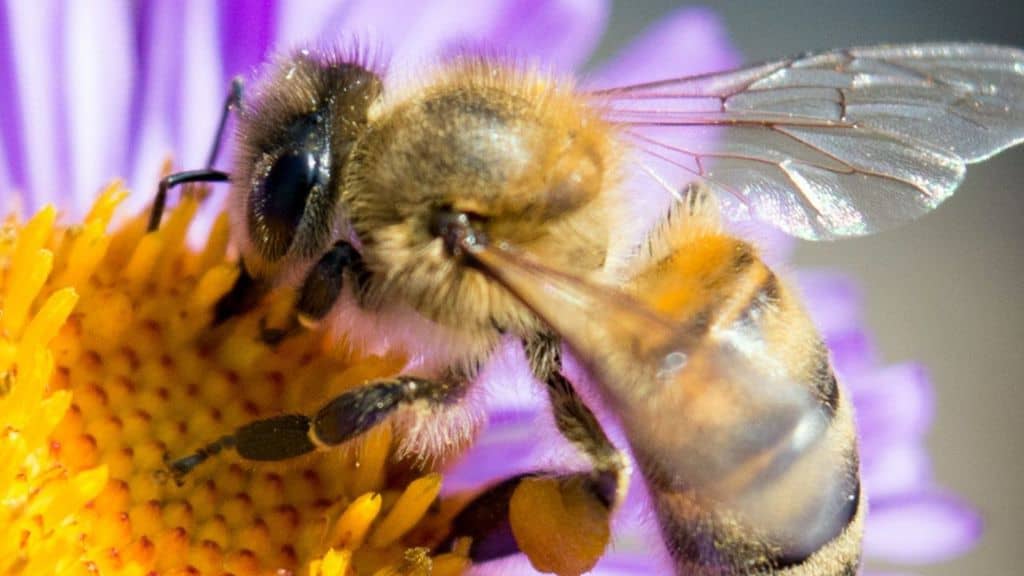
[109, 364]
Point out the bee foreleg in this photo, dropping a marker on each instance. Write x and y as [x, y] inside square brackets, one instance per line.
[243, 296]
[176, 179]
[233, 100]
[341, 419]
[322, 286]
[321, 289]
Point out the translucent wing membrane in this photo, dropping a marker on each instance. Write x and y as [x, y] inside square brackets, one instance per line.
[829, 145]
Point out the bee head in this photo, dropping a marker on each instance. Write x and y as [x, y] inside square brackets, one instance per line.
[294, 143]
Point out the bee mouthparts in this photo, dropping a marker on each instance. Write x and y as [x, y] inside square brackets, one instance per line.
[457, 232]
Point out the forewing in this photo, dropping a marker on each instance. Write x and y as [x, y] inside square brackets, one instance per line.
[837, 144]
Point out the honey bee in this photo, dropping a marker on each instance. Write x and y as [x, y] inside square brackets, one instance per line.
[493, 201]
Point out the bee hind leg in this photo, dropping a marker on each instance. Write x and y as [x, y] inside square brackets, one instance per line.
[488, 519]
[575, 420]
[586, 497]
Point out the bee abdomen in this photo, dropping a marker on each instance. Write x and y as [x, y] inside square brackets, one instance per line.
[759, 475]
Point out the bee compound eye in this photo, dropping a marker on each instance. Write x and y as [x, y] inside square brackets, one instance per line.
[279, 200]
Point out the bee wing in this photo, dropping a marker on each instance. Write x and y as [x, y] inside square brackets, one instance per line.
[705, 410]
[833, 144]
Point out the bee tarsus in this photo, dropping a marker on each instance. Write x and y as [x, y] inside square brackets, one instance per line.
[243, 296]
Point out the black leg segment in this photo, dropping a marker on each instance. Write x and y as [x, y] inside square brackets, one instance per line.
[243, 296]
[340, 420]
[321, 289]
[233, 101]
[322, 286]
[178, 178]
[574, 418]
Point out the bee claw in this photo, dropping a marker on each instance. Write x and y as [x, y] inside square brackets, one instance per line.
[169, 473]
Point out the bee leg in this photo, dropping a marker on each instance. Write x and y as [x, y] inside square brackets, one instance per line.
[574, 418]
[317, 295]
[341, 419]
[243, 296]
[208, 174]
[176, 179]
[322, 286]
[321, 290]
[487, 519]
[233, 101]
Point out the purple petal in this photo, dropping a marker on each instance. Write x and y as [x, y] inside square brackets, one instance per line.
[687, 42]
[893, 404]
[557, 33]
[853, 353]
[506, 447]
[414, 32]
[246, 35]
[181, 91]
[301, 23]
[9, 199]
[920, 529]
[98, 83]
[833, 300]
[155, 104]
[202, 89]
[37, 49]
[894, 468]
[12, 157]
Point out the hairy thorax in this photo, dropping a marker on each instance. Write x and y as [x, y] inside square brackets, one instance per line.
[523, 157]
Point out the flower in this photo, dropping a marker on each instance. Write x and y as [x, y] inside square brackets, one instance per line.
[109, 363]
[81, 448]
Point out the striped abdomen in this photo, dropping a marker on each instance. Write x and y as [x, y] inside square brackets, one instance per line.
[748, 446]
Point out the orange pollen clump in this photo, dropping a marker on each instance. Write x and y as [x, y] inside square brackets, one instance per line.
[109, 363]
